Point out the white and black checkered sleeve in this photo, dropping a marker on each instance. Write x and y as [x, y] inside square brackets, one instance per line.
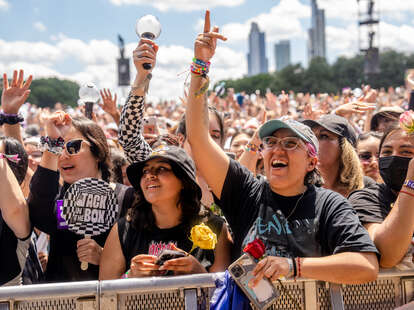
[130, 126]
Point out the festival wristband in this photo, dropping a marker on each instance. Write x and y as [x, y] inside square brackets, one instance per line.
[290, 272]
[54, 146]
[10, 119]
[125, 275]
[407, 193]
[409, 184]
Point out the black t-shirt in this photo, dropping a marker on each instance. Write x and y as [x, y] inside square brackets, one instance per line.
[63, 264]
[144, 241]
[323, 222]
[9, 263]
[372, 203]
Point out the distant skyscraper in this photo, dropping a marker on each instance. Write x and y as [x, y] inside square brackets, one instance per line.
[282, 54]
[316, 40]
[256, 58]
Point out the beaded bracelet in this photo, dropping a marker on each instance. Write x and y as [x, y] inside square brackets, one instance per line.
[10, 119]
[250, 147]
[198, 70]
[299, 269]
[54, 146]
[201, 63]
[125, 275]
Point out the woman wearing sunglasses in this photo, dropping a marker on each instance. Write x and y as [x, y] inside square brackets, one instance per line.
[368, 152]
[76, 149]
[308, 231]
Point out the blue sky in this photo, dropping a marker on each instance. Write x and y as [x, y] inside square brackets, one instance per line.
[77, 39]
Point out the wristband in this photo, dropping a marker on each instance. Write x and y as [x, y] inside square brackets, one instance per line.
[250, 147]
[407, 193]
[125, 275]
[290, 272]
[409, 184]
[10, 119]
[299, 267]
[54, 146]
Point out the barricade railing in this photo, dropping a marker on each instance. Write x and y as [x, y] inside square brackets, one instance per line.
[392, 289]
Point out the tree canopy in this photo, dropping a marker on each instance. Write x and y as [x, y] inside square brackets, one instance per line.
[321, 77]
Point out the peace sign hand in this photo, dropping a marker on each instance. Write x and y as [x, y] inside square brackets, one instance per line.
[15, 95]
[206, 42]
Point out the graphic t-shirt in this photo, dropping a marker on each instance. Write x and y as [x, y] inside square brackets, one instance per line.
[322, 223]
[153, 241]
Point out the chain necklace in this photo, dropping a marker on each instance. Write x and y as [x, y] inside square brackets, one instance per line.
[296, 205]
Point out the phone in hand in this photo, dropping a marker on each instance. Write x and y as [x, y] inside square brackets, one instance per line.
[149, 125]
[167, 255]
[264, 294]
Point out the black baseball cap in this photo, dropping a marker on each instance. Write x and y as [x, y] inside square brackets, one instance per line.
[174, 154]
[301, 130]
[335, 124]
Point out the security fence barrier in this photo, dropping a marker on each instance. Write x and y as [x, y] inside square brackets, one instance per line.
[392, 289]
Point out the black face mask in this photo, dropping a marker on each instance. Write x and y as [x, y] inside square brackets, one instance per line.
[393, 170]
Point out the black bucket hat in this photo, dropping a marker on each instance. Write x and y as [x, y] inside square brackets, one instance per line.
[175, 154]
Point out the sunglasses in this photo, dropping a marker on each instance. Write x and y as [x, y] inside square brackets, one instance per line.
[156, 171]
[73, 147]
[367, 157]
[287, 143]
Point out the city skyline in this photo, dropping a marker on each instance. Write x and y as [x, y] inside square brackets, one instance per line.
[316, 33]
[256, 58]
[282, 54]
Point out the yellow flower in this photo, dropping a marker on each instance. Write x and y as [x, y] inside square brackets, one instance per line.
[203, 237]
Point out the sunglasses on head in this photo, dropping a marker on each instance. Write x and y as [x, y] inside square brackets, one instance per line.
[73, 147]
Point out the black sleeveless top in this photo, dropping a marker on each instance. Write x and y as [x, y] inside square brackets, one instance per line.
[153, 241]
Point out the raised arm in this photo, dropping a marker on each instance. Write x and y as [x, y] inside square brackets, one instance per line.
[12, 98]
[210, 159]
[130, 136]
[13, 206]
[393, 236]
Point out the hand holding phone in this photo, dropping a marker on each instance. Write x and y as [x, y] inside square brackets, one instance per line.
[264, 294]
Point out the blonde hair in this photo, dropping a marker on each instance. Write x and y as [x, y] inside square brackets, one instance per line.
[351, 176]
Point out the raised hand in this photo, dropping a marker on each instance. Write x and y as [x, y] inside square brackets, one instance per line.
[109, 103]
[146, 52]
[58, 124]
[206, 42]
[15, 94]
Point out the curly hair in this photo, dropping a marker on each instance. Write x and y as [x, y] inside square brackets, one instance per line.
[351, 174]
[141, 215]
[99, 145]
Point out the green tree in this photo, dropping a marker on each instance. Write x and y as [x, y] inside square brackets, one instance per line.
[46, 92]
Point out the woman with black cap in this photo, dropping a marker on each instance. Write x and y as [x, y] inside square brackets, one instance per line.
[299, 223]
[338, 160]
[162, 219]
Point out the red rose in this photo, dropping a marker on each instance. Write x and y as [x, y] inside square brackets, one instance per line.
[256, 248]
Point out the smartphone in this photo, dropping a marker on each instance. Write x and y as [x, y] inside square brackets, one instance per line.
[149, 124]
[167, 255]
[264, 294]
[88, 109]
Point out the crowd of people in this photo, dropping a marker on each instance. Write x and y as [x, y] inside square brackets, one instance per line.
[326, 181]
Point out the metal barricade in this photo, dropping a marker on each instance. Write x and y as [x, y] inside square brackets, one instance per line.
[392, 289]
[183, 293]
[62, 296]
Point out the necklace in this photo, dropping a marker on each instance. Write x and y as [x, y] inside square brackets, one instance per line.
[296, 205]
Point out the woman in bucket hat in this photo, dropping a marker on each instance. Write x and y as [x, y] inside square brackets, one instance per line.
[162, 220]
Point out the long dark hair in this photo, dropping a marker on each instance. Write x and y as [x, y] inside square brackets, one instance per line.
[99, 145]
[141, 215]
[11, 147]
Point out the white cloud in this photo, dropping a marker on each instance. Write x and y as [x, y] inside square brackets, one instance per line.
[4, 5]
[39, 26]
[281, 22]
[98, 63]
[342, 40]
[181, 5]
[348, 10]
